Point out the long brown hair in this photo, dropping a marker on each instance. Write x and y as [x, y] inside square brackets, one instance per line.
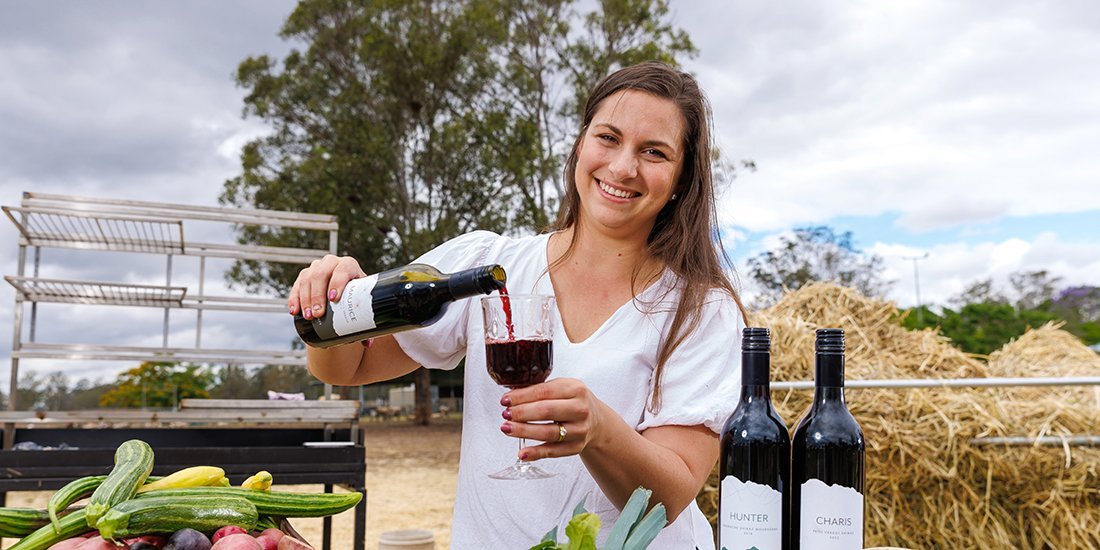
[685, 236]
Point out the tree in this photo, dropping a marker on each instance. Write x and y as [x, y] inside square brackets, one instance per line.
[57, 395]
[416, 121]
[1033, 289]
[1080, 307]
[158, 384]
[978, 292]
[981, 327]
[816, 254]
[233, 382]
[284, 379]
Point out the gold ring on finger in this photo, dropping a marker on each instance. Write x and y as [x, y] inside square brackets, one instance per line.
[562, 432]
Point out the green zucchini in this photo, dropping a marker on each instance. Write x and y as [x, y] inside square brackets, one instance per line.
[70, 493]
[133, 463]
[163, 515]
[20, 522]
[271, 503]
[72, 525]
[74, 491]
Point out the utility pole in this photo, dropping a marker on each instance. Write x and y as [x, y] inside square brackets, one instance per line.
[916, 284]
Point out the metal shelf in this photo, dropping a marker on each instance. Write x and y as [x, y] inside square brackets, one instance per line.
[94, 231]
[118, 294]
[99, 293]
[98, 224]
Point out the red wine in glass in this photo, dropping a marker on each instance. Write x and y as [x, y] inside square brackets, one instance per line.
[519, 352]
[519, 363]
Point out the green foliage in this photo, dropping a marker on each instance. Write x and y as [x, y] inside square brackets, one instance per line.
[980, 328]
[234, 382]
[985, 319]
[158, 384]
[631, 531]
[815, 254]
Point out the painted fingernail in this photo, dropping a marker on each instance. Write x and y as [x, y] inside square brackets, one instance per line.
[507, 414]
[506, 428]
[506, 401]
[292, 310]
[332, 294]
[318, 309]
[308, 313]
[523, 455]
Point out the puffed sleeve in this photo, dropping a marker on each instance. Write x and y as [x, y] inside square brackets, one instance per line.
[442, 344]
[702, 378]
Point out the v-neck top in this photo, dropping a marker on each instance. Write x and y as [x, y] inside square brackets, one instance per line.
[699, 386]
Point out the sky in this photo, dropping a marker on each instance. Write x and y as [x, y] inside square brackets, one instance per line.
[963, 134]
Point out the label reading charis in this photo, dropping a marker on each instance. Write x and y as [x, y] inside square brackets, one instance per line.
[354, 312]
[750, 516]
[831, 517]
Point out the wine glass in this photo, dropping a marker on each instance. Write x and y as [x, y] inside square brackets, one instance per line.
[519, 352]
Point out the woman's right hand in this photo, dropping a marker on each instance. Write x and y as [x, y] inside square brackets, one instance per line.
[325, 278]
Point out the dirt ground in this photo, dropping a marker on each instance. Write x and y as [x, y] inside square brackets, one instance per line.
[411, 475]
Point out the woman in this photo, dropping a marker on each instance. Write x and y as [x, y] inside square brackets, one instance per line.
[645, 355]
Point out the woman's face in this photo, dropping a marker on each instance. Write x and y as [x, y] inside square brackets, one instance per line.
[628, 162]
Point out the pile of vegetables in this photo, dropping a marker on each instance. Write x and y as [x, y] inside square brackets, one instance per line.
[633, 530]
[192, 509]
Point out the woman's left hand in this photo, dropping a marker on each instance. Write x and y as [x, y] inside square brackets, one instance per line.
[572, 409]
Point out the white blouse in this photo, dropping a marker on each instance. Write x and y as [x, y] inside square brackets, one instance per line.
[700, 386]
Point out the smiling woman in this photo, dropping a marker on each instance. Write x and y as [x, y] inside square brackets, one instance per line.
[628, 163]
[642, 370]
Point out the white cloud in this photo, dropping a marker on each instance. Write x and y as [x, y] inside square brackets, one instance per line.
[943, 112]
[951, 267]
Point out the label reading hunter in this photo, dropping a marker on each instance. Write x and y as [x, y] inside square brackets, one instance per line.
[751, 516]
[354, 311]
[831, 518]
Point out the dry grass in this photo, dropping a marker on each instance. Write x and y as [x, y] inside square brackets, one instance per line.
[927, 485]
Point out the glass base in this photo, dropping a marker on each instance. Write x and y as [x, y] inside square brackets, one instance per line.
[522, 470]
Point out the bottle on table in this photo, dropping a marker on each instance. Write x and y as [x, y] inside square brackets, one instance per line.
[827, 459]
[755, 468]
[400, 299]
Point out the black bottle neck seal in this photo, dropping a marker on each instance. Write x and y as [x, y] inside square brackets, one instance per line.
[829, 358]
[755, 356]
[479, 280]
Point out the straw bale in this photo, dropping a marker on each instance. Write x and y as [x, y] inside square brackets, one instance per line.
[927, 485]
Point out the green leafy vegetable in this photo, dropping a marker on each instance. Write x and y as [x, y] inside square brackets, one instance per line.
[630, 532]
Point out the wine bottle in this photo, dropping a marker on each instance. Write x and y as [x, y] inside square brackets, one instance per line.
[827, 459]
[755, 466]
[400, 299]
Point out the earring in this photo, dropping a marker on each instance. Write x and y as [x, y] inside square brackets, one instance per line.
[673, 197]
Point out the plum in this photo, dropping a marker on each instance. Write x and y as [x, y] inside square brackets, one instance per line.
[188, 539]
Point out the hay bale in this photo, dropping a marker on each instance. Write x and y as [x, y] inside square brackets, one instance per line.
[927, 485]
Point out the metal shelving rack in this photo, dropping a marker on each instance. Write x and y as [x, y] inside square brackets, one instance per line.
[62, 221]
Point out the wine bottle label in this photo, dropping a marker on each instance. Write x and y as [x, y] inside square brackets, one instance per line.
[831, 517]
[750, 516]
[355, 312]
